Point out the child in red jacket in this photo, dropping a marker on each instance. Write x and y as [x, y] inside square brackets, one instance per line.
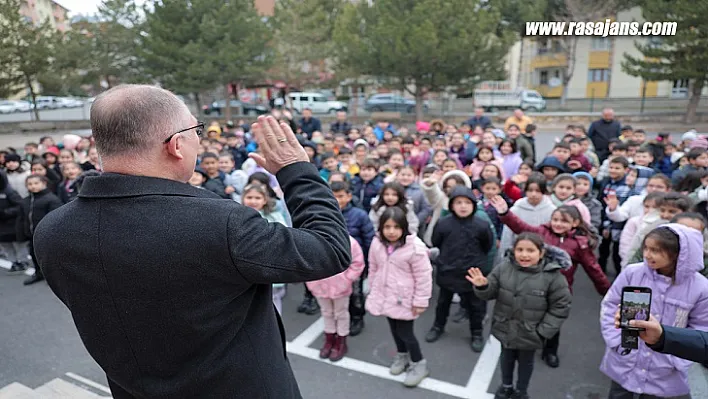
[568, 231]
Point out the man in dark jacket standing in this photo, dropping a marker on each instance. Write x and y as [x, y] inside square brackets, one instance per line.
[602, 131]
[479, 119]
[309, 124]
[341, 125]
[170, 286]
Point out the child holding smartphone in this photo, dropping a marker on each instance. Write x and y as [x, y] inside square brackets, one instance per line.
[673, 257]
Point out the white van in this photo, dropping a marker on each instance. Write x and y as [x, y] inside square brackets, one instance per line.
[527, 100]
[317, 102]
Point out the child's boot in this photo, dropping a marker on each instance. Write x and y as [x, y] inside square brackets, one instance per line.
[328, 344]
[520, 395]
[416, 373]
[340, 349]
[504, 392]
[400, 363]
[477, 341]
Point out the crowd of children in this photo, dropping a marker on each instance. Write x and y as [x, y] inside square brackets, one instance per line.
[473, 209]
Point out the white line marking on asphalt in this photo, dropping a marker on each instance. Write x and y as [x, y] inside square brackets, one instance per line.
[89, 382]
[475, 389]
[5, 264]
[486, 364]
[310, 334]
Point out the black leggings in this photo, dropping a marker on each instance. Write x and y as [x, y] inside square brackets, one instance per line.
[402, 331]
[608, 247]
[509, 358]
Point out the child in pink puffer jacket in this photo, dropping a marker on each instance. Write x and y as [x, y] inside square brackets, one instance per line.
[332, 294]
[401, 281]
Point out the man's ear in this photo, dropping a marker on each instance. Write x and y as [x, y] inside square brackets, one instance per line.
[175, 147]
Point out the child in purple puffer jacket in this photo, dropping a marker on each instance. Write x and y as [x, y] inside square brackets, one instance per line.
[673, 257]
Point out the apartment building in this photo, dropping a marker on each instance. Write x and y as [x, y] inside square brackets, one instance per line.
[538, 63]
[38, 11]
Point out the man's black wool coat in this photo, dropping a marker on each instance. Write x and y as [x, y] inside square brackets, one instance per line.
[170, 286]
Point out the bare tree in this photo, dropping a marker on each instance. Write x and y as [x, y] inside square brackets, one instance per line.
[579, 11]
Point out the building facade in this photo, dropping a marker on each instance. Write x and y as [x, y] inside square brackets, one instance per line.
[39, 11]
[539, 63]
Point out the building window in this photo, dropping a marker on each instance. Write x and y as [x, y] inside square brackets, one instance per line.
[543, 77]
[598, 75]
[549, 46]
[600, 43]
[557, 74]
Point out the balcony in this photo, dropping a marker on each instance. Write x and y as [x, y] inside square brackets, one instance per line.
[549, 92]
[548, 60]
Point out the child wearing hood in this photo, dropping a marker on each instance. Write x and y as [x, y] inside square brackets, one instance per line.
[464, 240]
[583, 190]
[550, 167]
[563, 193]
[569, 232]
[530, 270]
[673, 257]
[16, 174]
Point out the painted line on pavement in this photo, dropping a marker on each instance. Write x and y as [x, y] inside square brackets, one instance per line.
[475, 388]
[375, 370]
[309, 335]
[88, 382]
[483, 372]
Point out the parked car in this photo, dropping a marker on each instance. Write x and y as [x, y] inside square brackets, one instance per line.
[9, 106]
[68, 102]
[217, 107]
[46, 102]
[317, 102]
[391, 102]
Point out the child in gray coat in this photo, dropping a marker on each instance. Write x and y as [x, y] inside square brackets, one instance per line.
[530, 271]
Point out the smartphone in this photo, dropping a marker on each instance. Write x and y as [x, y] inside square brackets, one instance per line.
[636, 305]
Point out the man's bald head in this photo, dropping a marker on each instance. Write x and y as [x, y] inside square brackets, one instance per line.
[135, 118]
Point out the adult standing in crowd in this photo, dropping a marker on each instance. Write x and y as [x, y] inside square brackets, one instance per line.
[518, 119]
[341, 125]
[602, 131]
[479, 119]
[170, 286]
[309, 124]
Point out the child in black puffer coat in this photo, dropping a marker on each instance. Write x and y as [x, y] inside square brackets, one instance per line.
[464, 239]
[35, 207]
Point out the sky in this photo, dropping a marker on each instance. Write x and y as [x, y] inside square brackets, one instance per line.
[83, 6]
[80, 6]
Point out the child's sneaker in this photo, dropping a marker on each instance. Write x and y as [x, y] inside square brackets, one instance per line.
[504, 392]
[416, 373]
[400, 363]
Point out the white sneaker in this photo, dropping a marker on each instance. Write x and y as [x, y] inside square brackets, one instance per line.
[416, 373]
[400, 363]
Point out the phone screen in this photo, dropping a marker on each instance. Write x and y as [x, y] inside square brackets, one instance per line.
[636, 305]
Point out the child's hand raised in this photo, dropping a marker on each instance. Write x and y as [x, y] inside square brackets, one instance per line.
[499, 204]
[612, 201]
[476, 277]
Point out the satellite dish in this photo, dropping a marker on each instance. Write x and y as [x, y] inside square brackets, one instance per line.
[554, 82]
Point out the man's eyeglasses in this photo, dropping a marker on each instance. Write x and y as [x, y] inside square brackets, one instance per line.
[199, 129]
